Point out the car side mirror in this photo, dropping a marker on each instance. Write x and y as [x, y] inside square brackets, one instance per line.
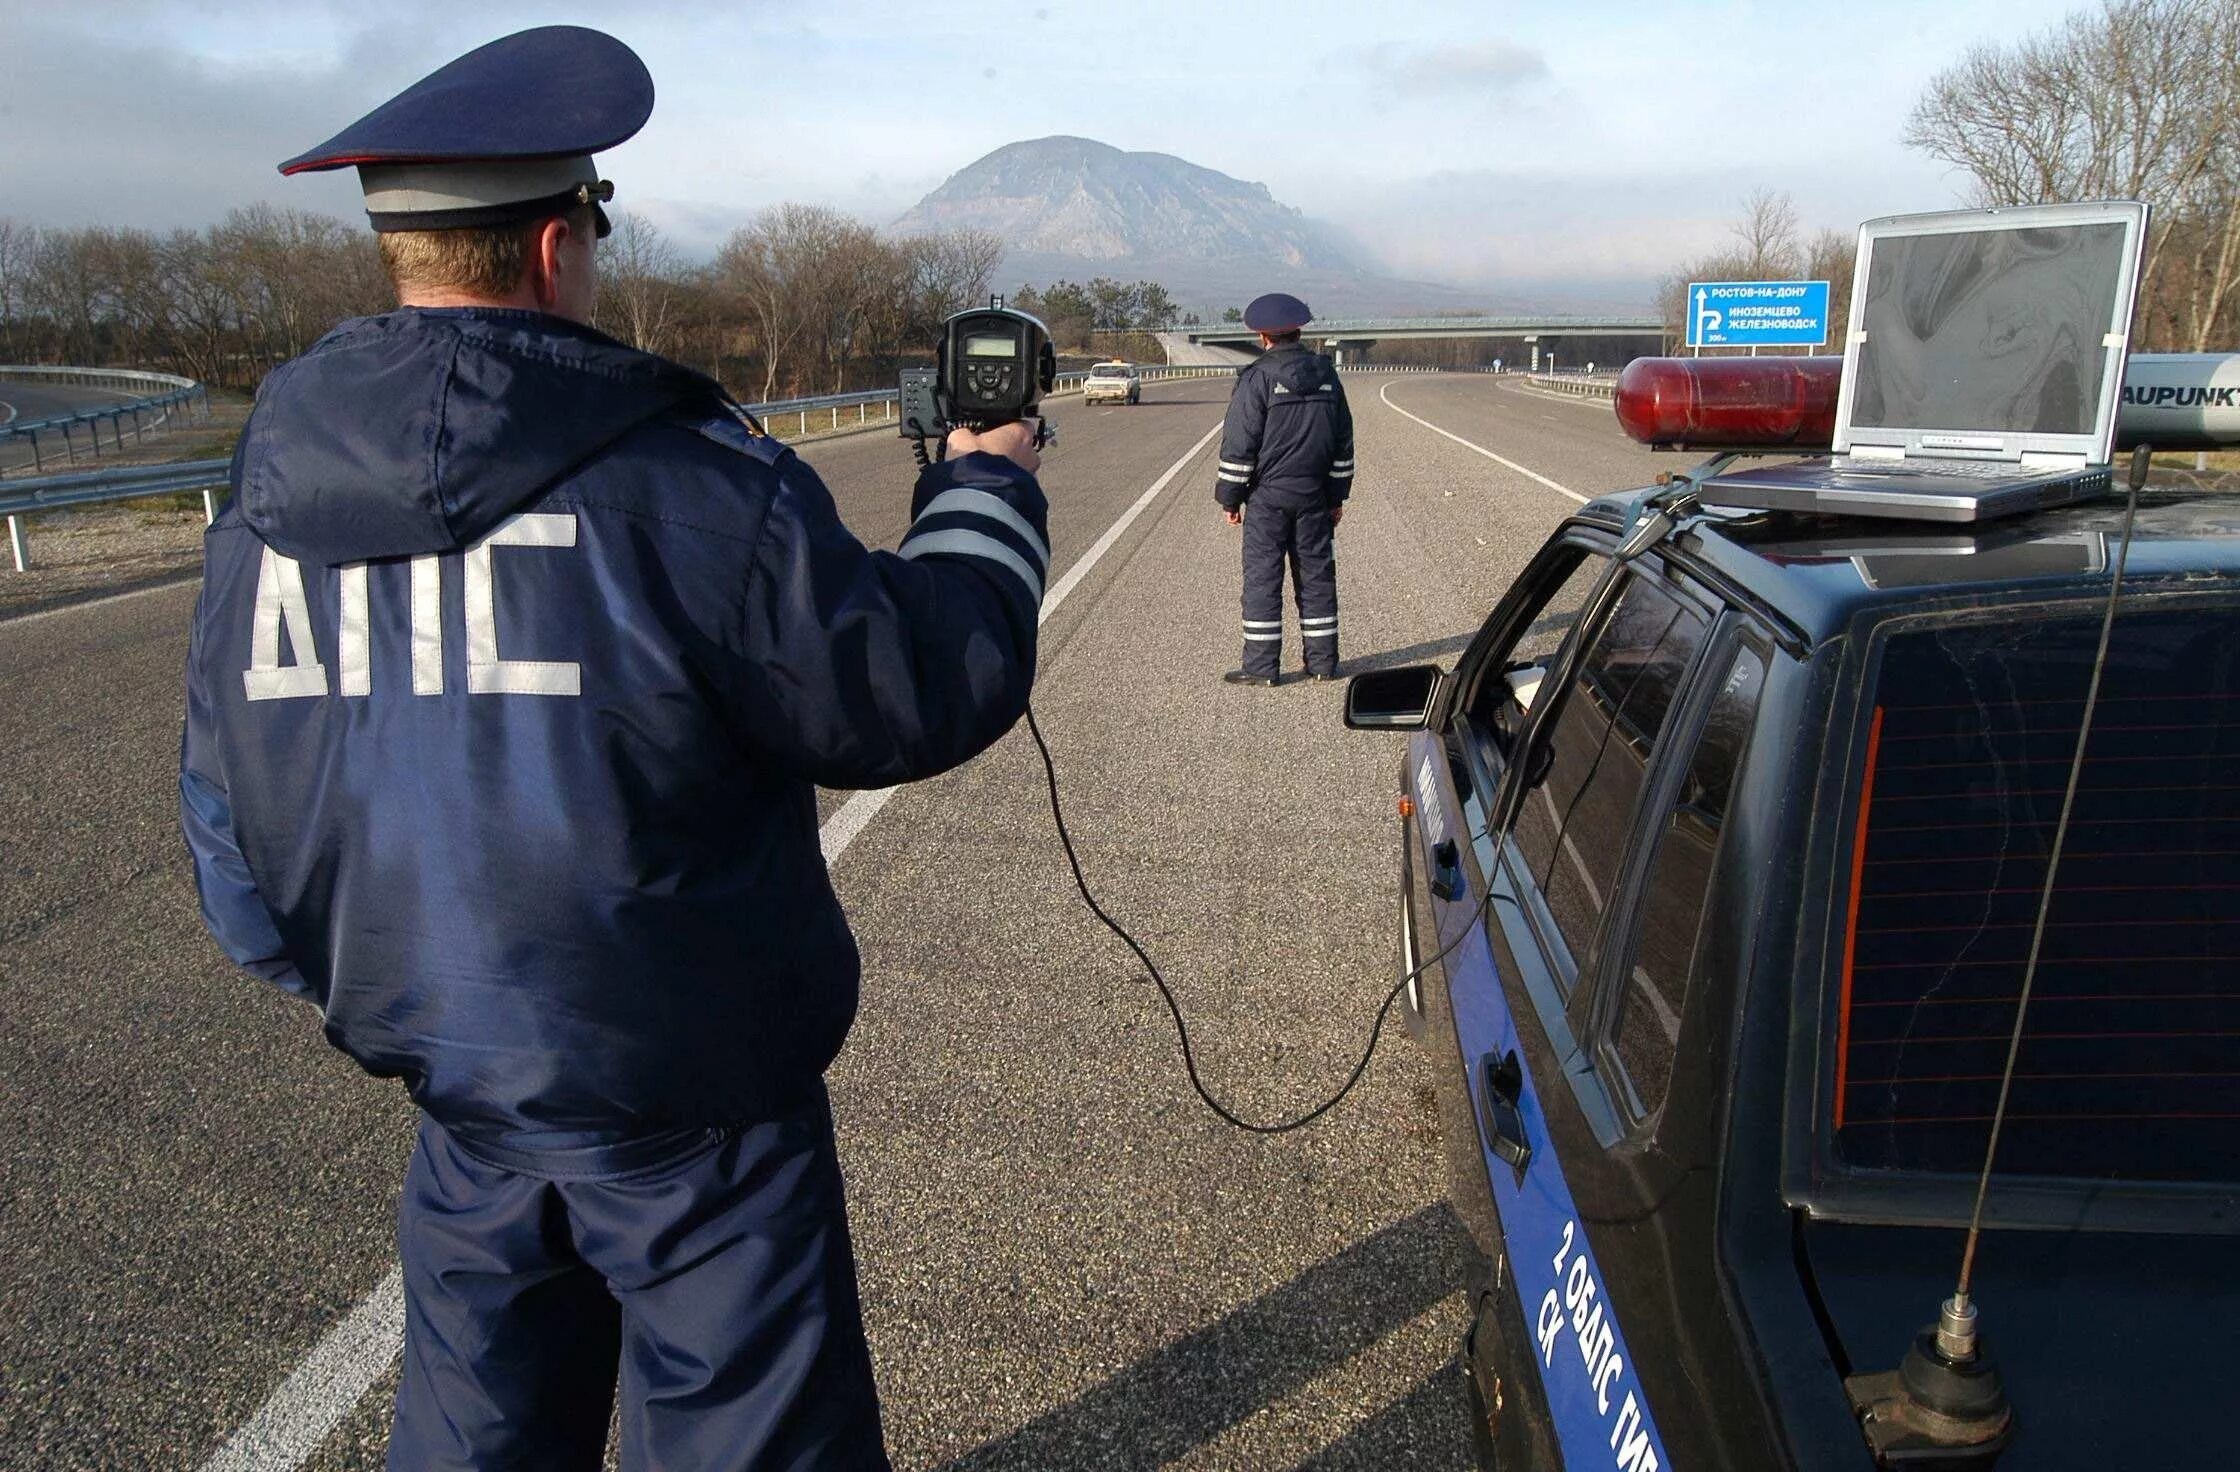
[1393, 700]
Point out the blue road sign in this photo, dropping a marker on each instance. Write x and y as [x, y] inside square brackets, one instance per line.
[1757, 314]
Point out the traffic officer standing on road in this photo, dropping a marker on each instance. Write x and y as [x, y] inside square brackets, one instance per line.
[1287, 449]
[518, 657]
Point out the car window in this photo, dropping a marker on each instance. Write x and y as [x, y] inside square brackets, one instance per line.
[1572, 825]
[2129, 1063]
[1498, 703]
[1650, 995]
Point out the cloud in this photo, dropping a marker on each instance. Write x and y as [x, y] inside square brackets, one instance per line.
[152, 138]
[1477, 67]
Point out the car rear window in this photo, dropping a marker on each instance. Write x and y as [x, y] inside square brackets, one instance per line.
[2129, 1068]
[1109, 370]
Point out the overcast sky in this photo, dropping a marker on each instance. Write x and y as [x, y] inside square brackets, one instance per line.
[1481, 143]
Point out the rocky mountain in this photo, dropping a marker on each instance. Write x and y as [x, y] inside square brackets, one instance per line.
[1074, 207]
[1077, 197]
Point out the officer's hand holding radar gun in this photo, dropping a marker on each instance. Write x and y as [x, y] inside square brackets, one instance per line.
[519, 658]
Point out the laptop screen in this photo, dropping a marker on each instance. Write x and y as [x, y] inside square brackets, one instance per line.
[1998, 330]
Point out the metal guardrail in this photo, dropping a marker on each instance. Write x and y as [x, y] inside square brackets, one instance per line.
[52, 493]
[1578, 386]
[160, 394]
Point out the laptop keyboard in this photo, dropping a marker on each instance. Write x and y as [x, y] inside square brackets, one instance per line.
[1960, 469]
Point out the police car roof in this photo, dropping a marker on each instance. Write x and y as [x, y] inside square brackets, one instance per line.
[1818, 571]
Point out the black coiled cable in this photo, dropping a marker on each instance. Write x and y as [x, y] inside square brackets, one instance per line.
[1174, 1009]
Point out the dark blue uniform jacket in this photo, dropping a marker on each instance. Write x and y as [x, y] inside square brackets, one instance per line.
[1289, 433]
[515, 665]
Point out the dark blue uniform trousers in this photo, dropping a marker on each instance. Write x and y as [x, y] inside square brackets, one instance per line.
[1276, 533]
[721, 1285]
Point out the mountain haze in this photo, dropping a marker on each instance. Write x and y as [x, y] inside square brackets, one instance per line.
[1074, 207]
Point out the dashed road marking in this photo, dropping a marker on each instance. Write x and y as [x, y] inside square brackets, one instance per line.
[1385, 395]
[344, 1365]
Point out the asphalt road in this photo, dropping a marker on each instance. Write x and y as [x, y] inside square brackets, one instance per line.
[1066, 1261]
[39, 401]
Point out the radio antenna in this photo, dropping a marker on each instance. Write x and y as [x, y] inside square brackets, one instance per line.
[1946, 1393]
[1959, 1311]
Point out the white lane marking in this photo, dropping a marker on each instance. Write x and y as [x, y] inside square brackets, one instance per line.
[1384, 394]
[332, 1379]
[10, 415]
[342, 1367]
[841, 828]
[9, 621]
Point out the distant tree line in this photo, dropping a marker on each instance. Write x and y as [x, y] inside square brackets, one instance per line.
[221, 304]
[800, 300]
[2136, 99]
[1072, 311]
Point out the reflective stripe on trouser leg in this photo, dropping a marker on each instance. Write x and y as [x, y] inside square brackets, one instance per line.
[1267, 538]
[1314, 576]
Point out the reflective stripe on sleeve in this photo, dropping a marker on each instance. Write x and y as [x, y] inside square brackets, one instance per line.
[1243, 465]
[965, 543]
[995, 508]
[1231, 477]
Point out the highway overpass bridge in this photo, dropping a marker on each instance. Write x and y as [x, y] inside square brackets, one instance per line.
[1539, 341]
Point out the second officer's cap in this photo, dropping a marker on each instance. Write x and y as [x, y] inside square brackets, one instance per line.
[503, 134]
[1277, 312]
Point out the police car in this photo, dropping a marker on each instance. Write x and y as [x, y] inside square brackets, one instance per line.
[1721, 861]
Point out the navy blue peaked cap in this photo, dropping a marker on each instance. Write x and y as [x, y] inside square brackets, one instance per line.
[539, 94]
[1277, 312]
[504, 133]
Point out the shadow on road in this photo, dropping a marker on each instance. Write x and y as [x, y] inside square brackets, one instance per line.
[1189, 1392]
[1411, 654]
[1432, 1418]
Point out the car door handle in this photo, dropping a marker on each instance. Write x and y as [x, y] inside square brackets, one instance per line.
[1446, 871]
[1501, 1079]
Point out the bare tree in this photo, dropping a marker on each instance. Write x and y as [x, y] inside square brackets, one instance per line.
[770, 271]
[1833, 256]
[2137, 99]
[640, 284]
[950, 271]
[1768, 232]
[18, 244]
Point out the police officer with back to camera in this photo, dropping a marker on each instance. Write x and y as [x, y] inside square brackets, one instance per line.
[518, 658]
[1287, 450]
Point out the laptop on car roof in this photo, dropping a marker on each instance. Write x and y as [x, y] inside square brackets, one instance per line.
[1981, 368]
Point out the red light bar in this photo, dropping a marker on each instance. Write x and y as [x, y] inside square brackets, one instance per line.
[1730, 403]
[2176, 401]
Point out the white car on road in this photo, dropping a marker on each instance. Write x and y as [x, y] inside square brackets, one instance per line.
[1110, 381]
